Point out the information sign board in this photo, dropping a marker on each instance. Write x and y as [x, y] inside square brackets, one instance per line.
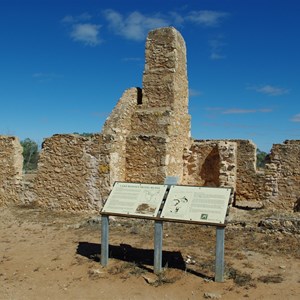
[200, 204]
[188, 204]
[135, 199]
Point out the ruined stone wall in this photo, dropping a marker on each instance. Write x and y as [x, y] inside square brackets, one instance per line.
[69, 173]
[115, 131]
[282, 175]
[211, 163]
[11, 164]
[162, 116]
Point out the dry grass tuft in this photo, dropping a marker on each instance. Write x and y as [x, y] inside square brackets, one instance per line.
[277, 278]
[128, 268]
[164, 278]
[239, 278]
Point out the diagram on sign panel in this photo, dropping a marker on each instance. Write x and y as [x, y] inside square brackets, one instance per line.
[179, 205]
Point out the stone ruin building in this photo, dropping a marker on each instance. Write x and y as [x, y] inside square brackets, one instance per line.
[146, 138]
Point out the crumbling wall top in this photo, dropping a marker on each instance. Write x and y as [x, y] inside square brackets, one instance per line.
[292, 142]
[120, 118]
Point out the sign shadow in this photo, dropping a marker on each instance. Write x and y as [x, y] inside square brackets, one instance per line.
[142, 257]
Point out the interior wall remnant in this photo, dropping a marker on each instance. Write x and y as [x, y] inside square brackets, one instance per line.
[115, 131]
[282, 176]
[248, 184]
[11, 165]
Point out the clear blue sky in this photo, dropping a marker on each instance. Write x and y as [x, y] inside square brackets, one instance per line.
[64, 64]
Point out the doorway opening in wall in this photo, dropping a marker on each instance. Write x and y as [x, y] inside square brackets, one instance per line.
[30, 155]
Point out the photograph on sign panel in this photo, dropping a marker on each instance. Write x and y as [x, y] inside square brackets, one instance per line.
[135, 199]
[149, 201]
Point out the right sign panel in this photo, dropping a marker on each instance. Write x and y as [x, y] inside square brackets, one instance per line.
[200, 204]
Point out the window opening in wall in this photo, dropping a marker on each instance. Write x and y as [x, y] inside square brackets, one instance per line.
[139, 96]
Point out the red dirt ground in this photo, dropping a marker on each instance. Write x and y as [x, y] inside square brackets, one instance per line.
[51, 255]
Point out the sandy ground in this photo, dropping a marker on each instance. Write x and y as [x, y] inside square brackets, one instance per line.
[51, 255]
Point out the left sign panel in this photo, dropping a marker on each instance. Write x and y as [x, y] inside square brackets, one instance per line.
[136, 199]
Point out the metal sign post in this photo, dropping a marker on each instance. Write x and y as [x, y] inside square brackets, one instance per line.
[219, 265]
[158, 238]
[104, 239]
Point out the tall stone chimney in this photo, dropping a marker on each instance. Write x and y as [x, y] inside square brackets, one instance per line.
[160, 126]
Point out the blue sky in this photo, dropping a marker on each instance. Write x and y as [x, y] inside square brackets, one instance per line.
[64, 64]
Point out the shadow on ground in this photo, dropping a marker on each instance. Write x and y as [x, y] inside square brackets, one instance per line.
[142, 257]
